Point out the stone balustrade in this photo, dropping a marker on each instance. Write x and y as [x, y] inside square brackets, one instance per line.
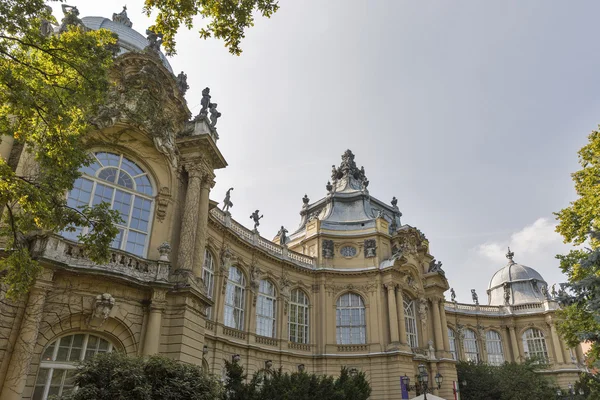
[500, 310]
[71, 255]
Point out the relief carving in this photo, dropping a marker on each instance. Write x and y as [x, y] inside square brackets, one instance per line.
[327, 248]
[162, 202]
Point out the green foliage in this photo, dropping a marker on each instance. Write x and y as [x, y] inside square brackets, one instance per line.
[510, 381]
[578, 224]
[50, 87]
[115, 376]
[277, 385]
[590, 385]
[228, 19]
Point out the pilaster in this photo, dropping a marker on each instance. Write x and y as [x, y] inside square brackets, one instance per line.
[392, 313]
[189, 224]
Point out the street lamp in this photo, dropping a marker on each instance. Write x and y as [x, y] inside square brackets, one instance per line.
[423, 379]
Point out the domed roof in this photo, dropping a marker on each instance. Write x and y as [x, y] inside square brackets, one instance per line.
[516, 284]
[129, 39]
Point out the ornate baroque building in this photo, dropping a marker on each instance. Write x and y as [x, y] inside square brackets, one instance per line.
[352, 286]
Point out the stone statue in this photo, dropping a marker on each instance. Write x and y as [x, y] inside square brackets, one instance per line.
[122, 18]
[327, 248]
[214, 114]
[394, 202]
[545, 291]
[474, 296]
[205, 102]
[334, 173]
[436, 266]
[452, 295]
[370, 248]
[103, 305]
[553, 291]
[182, 83]
[154, 39]
[166, 146]
[282, 236]
[46, 28]
[227, 204]
[254, 216]
[506, 287]
[305, 200]
[71, 18]
[329, 187]
[423, 310]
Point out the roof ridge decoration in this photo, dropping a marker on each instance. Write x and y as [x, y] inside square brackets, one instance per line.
[122, 18]
[510, 255]
[348, 175]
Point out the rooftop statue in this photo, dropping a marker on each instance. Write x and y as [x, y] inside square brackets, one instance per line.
[452, 295]
[71, 18]
[436, 266]
[329, 187]
[205, 102]
[122, 18]
[334, 173]
[154, 39]
[305, 200]
[394, 202]
[46, 28]
[182, 83]
[214, 114]
[254, 216]
[474, 296]
[510, 255]
[227, 204]
[282, 235]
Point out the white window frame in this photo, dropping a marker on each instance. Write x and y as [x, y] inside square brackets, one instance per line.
[535, 338]
[266, 309]
[410, 323]
[452, 340]
[52, 365]
[470, 346]
[123, 227]
[351, 332]
[234, 314]
[299, 305]
[493, 346]
[208, 276]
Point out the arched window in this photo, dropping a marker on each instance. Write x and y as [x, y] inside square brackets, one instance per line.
[265, 309]
[452, 338]
[493, 345]
[470, 346]
[298, 317]
[410, 321]
[113, 179]
[208, 276]
[59, 362]
[351, 323]
[235, 299]
[534, 344]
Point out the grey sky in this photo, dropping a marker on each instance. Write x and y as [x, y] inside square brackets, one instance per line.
[470, 112]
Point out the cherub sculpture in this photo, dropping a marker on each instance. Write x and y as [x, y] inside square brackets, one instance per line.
[256, 218]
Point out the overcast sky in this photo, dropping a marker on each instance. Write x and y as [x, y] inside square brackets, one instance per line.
[470, 112]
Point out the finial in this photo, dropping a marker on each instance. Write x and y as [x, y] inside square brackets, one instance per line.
[510, 255]
[305, 200]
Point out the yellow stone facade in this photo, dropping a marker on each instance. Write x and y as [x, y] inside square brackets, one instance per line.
[340, 291]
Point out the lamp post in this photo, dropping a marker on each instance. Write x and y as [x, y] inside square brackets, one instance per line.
[423, 379]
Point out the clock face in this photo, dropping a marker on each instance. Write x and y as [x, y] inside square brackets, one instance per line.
[348, 251]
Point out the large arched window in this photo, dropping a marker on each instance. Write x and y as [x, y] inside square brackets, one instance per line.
[452, 338]
[113, 179]
[208, 276]
[493, 345]
[298, 317]
[59, 362]
[470, 346]
[534, 344]
[235, 301]
[265, 309]
[351, 323]
[410, 322]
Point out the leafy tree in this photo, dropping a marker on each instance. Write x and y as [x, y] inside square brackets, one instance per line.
[590, 385]
[578, 224]
[114, 376]
[277, 385]
[228, 18]
[510, 381]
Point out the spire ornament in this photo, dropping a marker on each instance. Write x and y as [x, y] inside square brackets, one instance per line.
[510, 256]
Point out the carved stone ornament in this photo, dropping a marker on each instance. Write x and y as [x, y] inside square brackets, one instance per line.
[285, 285]
[103, 305]
[122, 18]
[436, 266]
[255, 274]
[71, 18]
[408, 241]
[370, 248]
[327, 250]
[475, 297]
[164, 250]
[182, 84]
[162, 203]
[423, 306]
[506, 287]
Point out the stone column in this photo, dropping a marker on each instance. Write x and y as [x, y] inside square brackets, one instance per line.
[393, 313]
[152, 337]
[20, 360]
[201, 232]
[400, 309]
[556, 343]
[514, 343]
[437, 324]
[445, 336]
[189, 225]
[505, 342]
